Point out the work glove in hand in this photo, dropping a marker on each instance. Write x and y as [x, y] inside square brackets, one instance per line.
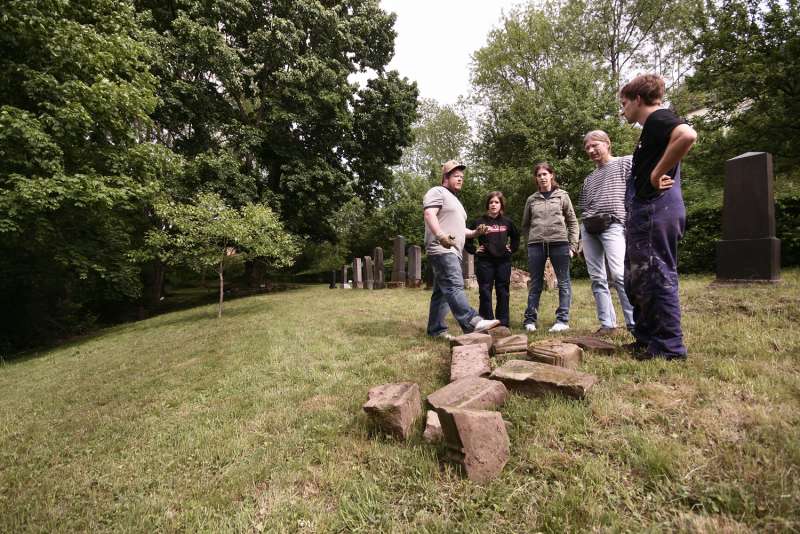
[445, 240]
[482, 229]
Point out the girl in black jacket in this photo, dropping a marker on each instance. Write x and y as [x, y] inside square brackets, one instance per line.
[493, 257]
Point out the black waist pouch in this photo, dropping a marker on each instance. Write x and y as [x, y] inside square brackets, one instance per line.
[597, 224]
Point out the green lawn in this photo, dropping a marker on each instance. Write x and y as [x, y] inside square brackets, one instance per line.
[253, 423]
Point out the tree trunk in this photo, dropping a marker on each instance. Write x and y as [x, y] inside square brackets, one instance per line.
[153, 280]
[221, 287]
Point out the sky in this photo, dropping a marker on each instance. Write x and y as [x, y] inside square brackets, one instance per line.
[436, 39]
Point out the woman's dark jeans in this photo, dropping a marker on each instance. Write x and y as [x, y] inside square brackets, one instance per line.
[559, 257]
[493, 273]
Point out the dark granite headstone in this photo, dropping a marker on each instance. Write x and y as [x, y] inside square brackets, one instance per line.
[749, 250]
[399, 259]
[333, 280]
[377, 256]
[414, 266]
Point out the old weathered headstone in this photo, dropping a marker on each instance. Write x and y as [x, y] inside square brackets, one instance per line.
[377, 255]
[556, 352]
[749, 250]
[468, 270]
[512, 344]
[472, 392]
[499, 332]
[477, 439]
[399, 260]
[592, 343]
[473, 338]
[369, 281]
[469, 360]
[433, 428]
[358, 282]
[344, 277]
[535, 379]
[394, 407]
[414, 266]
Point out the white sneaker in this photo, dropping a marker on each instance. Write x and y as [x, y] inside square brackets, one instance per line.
[446, 336]
[485, 324]
[559, 327]
[530, 327]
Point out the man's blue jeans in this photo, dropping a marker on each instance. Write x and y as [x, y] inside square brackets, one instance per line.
[448, 294]
[607, 249]
[559, 257]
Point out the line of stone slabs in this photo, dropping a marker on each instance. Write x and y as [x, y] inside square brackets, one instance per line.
[463, 412]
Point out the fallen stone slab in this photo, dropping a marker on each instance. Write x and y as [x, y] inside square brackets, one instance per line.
[394, 407]
[499, 332]
[515, 343]
[556, 352]
[473, 339]
[433, 428]
[535, 379]
[473, 392]
[477, 439]
[469, 360]
[593, 344]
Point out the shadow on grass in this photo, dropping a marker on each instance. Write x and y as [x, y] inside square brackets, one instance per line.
[198, 305]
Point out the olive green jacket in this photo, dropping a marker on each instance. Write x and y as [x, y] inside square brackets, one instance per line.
[550, 220]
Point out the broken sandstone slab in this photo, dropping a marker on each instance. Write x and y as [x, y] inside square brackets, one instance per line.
[394, 407]
[535, 379]
[469, 360]
[433, 428]
[472, 339]
[473, 392]
[555, 352]
[499, 332]
[477, 439]
[511, 344]
[592, 343]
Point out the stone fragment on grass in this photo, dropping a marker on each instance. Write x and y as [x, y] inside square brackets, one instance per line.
[394, 407]
[555, 352]
[535, 379]
[472, 339]
[593, 344]
[499, 332]
[477, 439]
[469, 360]
[516, 343]
[472, 392]
[433, 428]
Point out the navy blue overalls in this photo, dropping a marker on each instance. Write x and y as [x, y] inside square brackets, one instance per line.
[652, 232]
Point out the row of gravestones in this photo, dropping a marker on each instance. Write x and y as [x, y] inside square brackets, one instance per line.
[368, 272]
[463, 414]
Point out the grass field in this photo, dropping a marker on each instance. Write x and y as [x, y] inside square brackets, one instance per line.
[253, 423]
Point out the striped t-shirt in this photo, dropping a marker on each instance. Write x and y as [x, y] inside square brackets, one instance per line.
[604, 190]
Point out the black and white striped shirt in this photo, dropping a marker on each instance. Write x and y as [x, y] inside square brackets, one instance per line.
[604, 190]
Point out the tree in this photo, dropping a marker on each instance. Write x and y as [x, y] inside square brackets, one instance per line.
[75, 95]
[206, 233]
[749, 67]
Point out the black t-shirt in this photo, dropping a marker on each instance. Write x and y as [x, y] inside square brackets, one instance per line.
[652, 143]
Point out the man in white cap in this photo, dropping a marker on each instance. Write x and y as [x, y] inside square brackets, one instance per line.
[445, 233]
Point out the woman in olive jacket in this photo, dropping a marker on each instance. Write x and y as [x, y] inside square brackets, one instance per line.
[550, 227]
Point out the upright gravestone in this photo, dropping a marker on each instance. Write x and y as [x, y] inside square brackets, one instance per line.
[399, 259]
[414, 266]
[358, 281]
[468, 268]
[333, 279]
[749, 250]
[378, 268]
[369, 281]
[344, 277]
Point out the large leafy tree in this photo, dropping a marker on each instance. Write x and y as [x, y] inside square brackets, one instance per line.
[75, 95]
[264, 86]
[749, 68]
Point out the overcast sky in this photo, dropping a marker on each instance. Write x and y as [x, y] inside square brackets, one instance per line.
[436, 38]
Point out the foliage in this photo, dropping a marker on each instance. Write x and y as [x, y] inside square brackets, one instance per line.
[749, 68]
[205, 233]
[75, 94]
